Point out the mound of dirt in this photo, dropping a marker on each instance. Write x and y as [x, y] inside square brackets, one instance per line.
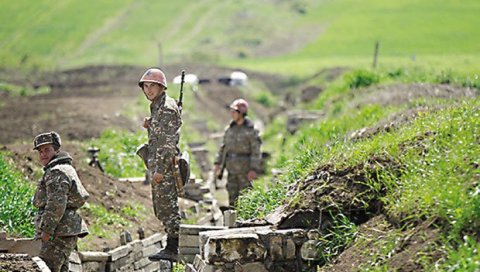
[378, 235]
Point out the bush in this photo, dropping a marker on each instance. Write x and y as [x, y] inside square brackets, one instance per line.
[16, 210]
[117, 153]
[361, 79]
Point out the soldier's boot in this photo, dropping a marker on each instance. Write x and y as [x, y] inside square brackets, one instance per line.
[170, 252]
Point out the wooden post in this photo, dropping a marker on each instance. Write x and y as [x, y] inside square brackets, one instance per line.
[375, 54]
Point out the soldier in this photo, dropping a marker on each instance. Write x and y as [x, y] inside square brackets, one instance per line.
[239, 151]
[163, 128]
[58, 196]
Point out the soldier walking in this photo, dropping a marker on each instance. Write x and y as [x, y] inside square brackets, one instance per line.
[59, 195]
[163, 128]
[239, 152]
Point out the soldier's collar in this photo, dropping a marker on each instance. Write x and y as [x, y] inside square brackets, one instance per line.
[61, 158]
[160, 99]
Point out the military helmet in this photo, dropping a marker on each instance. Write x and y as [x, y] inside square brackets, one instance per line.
[47, 138]
[239, 105]
[154, 75]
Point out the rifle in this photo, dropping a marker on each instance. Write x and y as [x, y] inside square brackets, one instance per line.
[224, 163]
[182, 171]
[180, 99]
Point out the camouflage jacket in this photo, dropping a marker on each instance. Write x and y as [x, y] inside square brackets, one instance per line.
[58, 196]
[240, 148]
[163, 133]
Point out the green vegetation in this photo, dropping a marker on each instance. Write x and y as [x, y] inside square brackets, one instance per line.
[430, 33]
[438, 153]
[22, 91]
[16, 211]
[118, 152]
[430, 41]
[107, 222]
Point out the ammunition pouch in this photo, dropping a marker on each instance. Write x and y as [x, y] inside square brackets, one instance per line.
[184, 167]
[142, 152]
[181, 172]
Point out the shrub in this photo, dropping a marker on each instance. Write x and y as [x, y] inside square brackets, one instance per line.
[16, 210]
[361, 79]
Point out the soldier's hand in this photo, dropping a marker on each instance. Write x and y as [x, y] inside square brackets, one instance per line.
[146, 122]
[216, 169]
[251, 175]
[45, 236]
[157, 177]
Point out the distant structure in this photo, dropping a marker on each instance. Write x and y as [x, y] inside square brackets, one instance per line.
[236, 78]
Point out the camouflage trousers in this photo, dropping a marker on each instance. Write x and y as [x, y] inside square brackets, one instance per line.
[56, 253]
[165, 204]
[235, 184]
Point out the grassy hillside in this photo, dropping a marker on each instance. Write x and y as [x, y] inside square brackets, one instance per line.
[48, 34]
[433, 33]
[298, 36]
[415, 157]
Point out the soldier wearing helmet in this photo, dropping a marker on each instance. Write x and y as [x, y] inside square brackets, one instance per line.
[239, 152]
[163, 127]
[59, 195]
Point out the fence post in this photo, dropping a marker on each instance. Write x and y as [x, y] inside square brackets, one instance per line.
[375, 54]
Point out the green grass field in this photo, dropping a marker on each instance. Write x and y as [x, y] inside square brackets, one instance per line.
[443, 34]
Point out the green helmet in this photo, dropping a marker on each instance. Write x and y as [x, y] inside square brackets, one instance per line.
[47, 138]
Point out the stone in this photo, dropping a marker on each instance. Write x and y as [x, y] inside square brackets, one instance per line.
[141, 263]
[276, 248]
[165, 266]
[93, 266]
[150, 250]
[189, 268]
[156, 238]
[198, 263]
[41, 264]
[141, 233]
[119, 252]
[125, 237]
[229, 218]
[93, 256]
[189, 241]
[256, 266]
[232, 248]
[154, 266]
[196, 229]
[189, 250]
[74, 267]
[22, 245]
[309, 251]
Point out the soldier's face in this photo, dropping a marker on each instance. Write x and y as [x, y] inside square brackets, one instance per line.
[46, 153]
[236, 116]
[152, 90]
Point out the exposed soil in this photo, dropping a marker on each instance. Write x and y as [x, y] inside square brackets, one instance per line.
[17, 263]
[379, 235]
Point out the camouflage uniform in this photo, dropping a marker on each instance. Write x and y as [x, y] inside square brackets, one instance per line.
[241, 151]
[163, 137]
[58, 196]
